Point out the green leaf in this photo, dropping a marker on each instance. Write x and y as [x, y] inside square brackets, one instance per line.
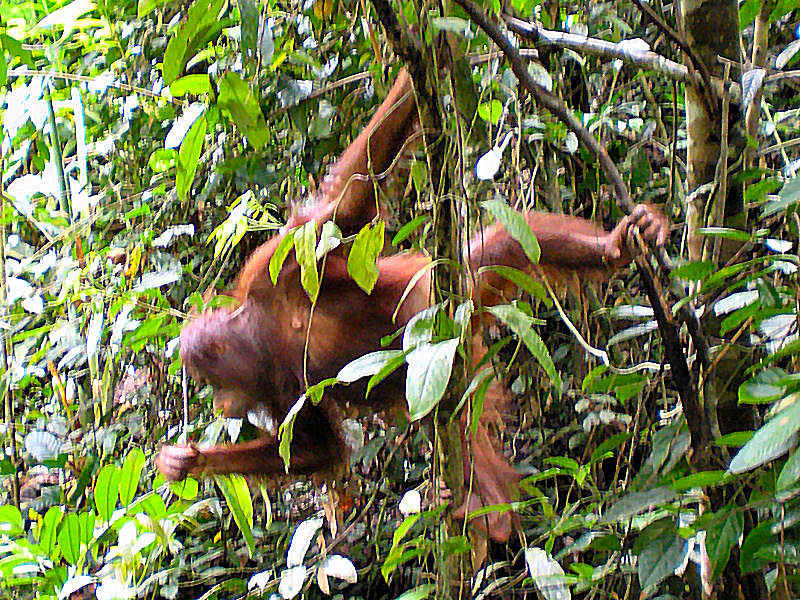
[14, 47]
[105, 491]
[419, 328]
[769, 442]
[237, 495]
[286, 431]
[725, 233]
[759, 392]
[367, 365]
[516, 226]
[129, 477]
[387, 369]
[238, 101]
[150, 503]
[188, 155]
[523, 281]
[760, 536]
[735, 439]
[305, 242]
[190, 84]
[429, 368]
[248, 25]
[782, 8]
[788, 196]
[790, 472]
[69, 538]
[702, 479]
[694, 271]
[162, 159]
[279, 256]
[11, 522]
[47, 535]
[521, 324]
[748, 10]
[186, 489]
[202, 24]
[147, 6]
[722, 537]
[608, 445]
[491, 111]
[86, 522]
[659, 559]
[316, 391]
[418, 593]
[636, 502]
[407, 229]
[361, 261]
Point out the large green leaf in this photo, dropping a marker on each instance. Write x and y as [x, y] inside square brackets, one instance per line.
[367, 365]
[305, 242]
[105, 491]
[429, 368]
[636, 502]
[771, 441]
[49, 531]
[129, 477]
[365, 251]
[516, 226]
[239, 101]
[188, 155]
[723, 536]
[202, 24]
[69, 538]
[659, 558]
[237, 495]
[521, 324]
[279, 256]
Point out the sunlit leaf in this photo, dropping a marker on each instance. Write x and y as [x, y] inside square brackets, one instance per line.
[188, 155]
[237, 495]
[366, 248]
[238, 100]
[367, 365]
[69, 538]
[305, 242]
[130, 474]
[771, 441]
[106, 491]
[339, 567]
[429, 368]
[292, 580]
[279, 256]
[202, 24]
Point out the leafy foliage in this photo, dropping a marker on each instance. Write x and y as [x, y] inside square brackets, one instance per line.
[147, 146]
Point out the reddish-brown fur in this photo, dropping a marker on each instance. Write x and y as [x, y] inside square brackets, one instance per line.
[253, 354]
